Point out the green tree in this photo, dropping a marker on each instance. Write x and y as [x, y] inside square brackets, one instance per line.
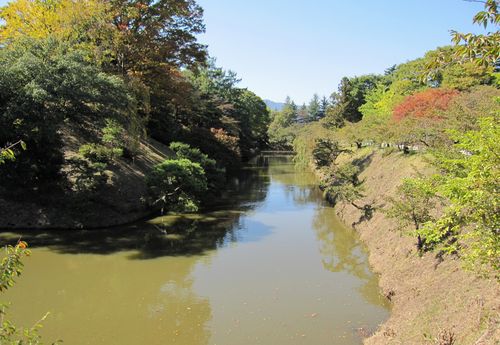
[414, 206]
[313, 108]
[177, 184]
[481, 49]
[349, 98]
[302, 114]
[280, 130]
[325, 152]
[253, 119]
[323, 106]
[215, 176]
[469, 179]
[42, 84]
[342, 183]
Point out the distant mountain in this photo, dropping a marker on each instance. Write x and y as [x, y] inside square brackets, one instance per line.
[274, 105]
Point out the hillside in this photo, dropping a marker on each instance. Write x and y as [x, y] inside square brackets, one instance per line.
[121, 200]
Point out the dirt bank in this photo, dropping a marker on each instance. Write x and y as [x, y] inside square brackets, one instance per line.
[122, 200]
[434, 301]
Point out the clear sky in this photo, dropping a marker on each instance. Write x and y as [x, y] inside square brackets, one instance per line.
[302, 47]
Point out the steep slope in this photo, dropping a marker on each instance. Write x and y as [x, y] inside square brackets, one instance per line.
[435, 301]
[121, 200]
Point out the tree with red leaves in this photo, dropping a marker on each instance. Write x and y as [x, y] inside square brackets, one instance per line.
[428, 104]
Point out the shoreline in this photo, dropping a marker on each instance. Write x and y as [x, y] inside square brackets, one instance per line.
[433, 299]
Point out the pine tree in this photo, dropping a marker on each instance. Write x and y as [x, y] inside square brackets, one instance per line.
[313, 109]
[323, 106]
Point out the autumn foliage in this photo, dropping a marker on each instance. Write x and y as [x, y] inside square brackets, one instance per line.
[428, 103]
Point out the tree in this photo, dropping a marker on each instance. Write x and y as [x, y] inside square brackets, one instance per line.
[343, 101]
[153, 33]
[314, 108]
[253, 119]
[481, 49]
[42, 84]
[325, 152]
[342, 183]
[469, 179]
[280, 133]
[76, 22]
[323, 106]
[429, 103]
[177, 184]
[219, 103]
[413, 207]
[302, 114]
[287, 116]
[349, 98]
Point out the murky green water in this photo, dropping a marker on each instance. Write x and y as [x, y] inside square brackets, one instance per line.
[271, 265]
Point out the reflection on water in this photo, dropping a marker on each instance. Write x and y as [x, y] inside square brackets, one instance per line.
[269, 263]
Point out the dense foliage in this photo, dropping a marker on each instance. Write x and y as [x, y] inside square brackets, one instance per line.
[112, 74]
[42, 85]
[428, 103]
[178, 184]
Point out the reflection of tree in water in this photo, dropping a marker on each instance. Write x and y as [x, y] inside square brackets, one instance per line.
[300, 182]
[186, 234]
[115, 300]
[184, 315]
[342, 252]
[339, 249]
[170, 310]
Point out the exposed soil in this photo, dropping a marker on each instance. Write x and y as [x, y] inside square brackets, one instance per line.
[434, 301]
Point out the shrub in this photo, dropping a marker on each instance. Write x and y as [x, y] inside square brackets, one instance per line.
[183, 150]
[215, 176]
[115, 137]
[113, 133]
[97, 153]
[177, 184]
[88, 176]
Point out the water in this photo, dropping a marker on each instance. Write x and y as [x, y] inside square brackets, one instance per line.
[270, 264]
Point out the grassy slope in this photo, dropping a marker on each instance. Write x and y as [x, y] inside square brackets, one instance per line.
[431, 298]
[121, 201]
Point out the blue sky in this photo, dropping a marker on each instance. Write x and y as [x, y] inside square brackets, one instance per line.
[299, 47]
[302, 47]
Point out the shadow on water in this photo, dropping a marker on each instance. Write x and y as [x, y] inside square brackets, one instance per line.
[170, 235]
